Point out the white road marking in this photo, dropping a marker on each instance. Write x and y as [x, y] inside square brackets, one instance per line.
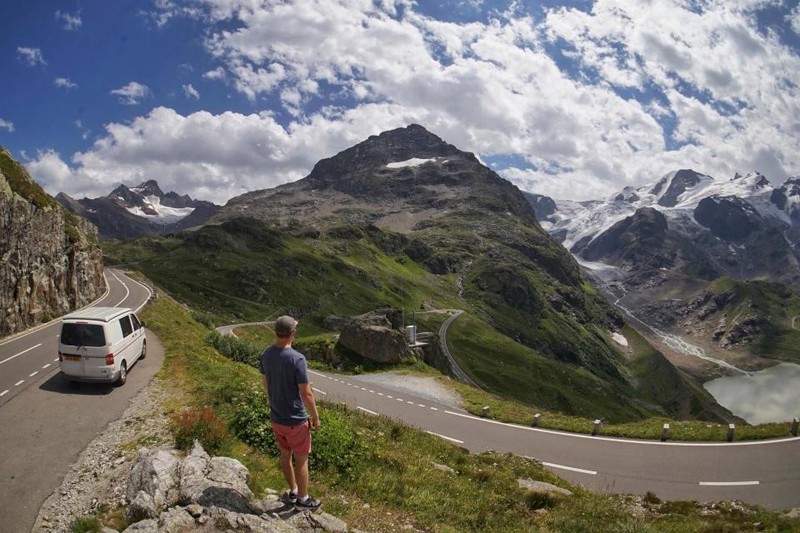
[18, 383]
[3, 393]
[45, 366]
[380, 394]
[33, 374]
[390, 397]
[412, 403]
[451, 439]
[727, 483]
[20, 353]
[366, 410]
[319, 391]
[434, 409]
[571, 469]
[420, 405]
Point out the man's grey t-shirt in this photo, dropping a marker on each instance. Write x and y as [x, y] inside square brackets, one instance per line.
[285, 369]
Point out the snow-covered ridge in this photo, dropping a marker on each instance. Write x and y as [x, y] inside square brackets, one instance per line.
[676, 195]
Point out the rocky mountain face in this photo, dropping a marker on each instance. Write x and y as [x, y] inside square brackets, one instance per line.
[128, 213]
[51, 263]
[668, 240]
[448, 212]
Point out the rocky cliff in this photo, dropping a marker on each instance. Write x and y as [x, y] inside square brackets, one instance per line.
[50, 261]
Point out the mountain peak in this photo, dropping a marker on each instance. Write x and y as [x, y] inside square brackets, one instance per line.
[393, 146]
[149, 188]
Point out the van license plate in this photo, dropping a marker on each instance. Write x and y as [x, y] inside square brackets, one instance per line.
[72, 358]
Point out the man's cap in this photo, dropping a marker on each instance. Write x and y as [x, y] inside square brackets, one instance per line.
[285, 325]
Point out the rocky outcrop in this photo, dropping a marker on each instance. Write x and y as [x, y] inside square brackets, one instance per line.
[202, 493]
[50, 263]
[372, 336]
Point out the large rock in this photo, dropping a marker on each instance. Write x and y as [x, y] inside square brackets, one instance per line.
[218, 481]
[372, 336]
[208, 494]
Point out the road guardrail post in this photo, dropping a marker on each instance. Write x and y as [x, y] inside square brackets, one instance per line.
[795, 424]
[538, 418]
[485, 411]
[665, 433]
[731, 431]
[596, 428]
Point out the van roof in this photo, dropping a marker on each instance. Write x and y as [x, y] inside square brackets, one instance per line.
[102, 314]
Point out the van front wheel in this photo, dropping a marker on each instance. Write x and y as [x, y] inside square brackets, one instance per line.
[123, 374]
[144, 350]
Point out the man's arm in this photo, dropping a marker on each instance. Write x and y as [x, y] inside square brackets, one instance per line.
[265, 381]
[307, 395]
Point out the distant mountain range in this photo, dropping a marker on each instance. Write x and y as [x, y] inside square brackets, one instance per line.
[142, 210]
[662, 243]
[685, 223]
[406, 221]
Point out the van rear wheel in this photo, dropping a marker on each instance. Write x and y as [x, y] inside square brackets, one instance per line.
[123, 374]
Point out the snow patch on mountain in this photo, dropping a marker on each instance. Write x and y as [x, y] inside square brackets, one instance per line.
[154, 211]
[413, 162]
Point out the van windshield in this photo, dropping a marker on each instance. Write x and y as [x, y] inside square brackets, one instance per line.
[82, 334]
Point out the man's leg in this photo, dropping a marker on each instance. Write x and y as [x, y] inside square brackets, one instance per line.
[288, 471]
[300, 473]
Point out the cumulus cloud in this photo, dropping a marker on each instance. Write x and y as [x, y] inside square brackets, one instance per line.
[191, 92]
[582, 101]
[31, 56]
[71, 21]
[132, 94]
[6, 125]
[65, 83]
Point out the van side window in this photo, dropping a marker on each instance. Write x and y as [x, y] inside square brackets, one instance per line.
[136, 323]
[125, 323]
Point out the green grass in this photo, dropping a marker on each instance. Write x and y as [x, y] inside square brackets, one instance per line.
[397, 485]
[525, 335]
[773, 302]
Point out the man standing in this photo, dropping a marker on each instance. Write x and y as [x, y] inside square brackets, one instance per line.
[291, 401]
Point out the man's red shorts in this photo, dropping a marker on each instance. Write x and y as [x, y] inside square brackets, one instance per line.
[295, 438]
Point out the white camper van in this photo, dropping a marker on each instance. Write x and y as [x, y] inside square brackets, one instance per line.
[100, 344]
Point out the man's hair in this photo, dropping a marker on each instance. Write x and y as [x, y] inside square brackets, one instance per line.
[285, 325]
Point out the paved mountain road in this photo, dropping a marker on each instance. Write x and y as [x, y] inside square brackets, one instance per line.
[762, 472]
[46, 421]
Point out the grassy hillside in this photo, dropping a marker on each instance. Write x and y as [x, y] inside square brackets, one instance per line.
[519, 337]
[396, 484]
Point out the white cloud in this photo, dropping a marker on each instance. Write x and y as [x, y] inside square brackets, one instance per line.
[6, 125]
[794, 19]
[71, 22]
[216, 74]
[586, 101]
[191, 92]
[65, 83]
[132, 94]
[31, 56]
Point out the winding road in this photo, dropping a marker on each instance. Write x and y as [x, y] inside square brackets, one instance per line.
[46, 421]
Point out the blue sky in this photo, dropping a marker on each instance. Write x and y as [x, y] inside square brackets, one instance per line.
[575, 100]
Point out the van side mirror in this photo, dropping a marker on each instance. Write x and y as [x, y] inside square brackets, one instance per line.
[142, 324]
